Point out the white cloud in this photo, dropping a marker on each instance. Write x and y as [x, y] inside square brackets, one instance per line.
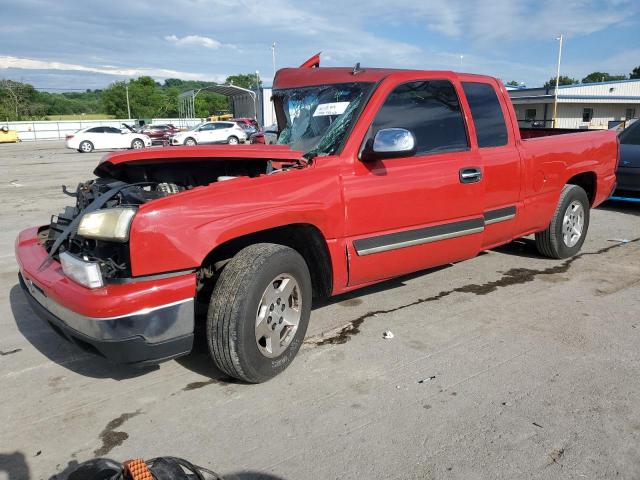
[32, 64]
[198, 40]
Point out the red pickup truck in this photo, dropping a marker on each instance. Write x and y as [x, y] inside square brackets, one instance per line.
[377, 173]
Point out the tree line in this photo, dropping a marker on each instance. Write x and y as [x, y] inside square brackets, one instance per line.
[147, 99]
[593, 77]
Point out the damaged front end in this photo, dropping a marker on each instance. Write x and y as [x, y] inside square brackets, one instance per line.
[91, 238]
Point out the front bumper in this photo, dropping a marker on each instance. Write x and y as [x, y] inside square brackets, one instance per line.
[137, 322]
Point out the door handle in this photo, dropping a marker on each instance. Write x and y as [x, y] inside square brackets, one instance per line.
[470, 175]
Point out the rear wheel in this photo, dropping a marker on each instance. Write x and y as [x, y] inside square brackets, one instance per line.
[259, 312]
[137, 144]
[566, 233]
[190, 142]
[85, 146]
[233, 140]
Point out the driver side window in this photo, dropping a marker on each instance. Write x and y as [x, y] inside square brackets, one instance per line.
[208, 126]
[430, 109]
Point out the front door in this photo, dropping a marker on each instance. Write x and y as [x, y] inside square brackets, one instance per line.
[411, 213]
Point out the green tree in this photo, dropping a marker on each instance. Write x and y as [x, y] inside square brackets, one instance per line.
[16, 100]
[602, 77]
[513, 83]
[563, 80]
[635, 73]
[244, 80]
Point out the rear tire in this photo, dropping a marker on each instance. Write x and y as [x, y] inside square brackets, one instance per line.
[259, 312]
[233, 140]
[190, 142]
[85, 146]
[567, 231]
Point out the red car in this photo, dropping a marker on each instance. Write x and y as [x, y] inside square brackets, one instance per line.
[159, 134]
[381, 173]
[246, 121]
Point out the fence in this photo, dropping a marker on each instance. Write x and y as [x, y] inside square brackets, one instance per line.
[57, 130]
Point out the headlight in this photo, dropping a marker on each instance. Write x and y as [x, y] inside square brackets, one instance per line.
[108, 224]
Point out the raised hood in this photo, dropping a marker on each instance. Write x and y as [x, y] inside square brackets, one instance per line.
[113, 162]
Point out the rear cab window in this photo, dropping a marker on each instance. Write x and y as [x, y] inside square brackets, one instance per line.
[430, 109]
[487, 114]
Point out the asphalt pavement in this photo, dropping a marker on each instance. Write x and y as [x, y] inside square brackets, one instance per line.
[505, 366]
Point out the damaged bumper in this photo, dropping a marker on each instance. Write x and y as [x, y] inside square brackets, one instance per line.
[139, 321]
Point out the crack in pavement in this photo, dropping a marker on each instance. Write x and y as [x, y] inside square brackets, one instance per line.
[515, 276]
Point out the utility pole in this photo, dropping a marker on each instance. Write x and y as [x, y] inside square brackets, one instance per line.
[461, 58]
[273, 58]
[555, 90]
[126, 88]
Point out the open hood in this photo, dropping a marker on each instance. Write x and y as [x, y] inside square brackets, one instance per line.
[113, 162]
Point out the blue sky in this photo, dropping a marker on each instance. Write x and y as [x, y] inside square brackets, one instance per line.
[79, 44]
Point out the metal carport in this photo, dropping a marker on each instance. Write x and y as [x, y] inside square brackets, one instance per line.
[243, 101]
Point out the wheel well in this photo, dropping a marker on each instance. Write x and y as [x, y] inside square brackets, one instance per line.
[306, 239]
[587, 181]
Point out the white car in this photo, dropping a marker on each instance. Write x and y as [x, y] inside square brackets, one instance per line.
[211, 132]
[98, 138]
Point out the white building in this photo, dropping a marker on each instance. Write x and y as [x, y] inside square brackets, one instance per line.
[589, 105]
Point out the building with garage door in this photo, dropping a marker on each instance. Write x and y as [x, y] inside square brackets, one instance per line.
[589, 105]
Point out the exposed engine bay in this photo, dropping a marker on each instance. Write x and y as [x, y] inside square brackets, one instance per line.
[127, 186]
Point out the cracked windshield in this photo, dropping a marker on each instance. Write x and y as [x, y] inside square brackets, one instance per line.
[319, 117]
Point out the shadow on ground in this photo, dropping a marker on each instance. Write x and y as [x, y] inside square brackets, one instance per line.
[627, 208]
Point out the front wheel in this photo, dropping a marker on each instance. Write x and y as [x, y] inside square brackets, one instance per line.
[190, 142]
[137, 144]
[259, 312]
[567, 231]
[233, 141]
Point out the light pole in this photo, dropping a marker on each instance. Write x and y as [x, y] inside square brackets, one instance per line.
[126, 89]
[555, 90]
[273, 58]
[255, 98]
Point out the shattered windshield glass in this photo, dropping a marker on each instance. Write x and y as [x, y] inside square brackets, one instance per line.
[319, 117]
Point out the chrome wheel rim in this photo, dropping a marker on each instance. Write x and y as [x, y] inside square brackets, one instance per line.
[137, 145]
[278, 315]
[86, 147]
[233, 141]
[190, 142]
[573, 223]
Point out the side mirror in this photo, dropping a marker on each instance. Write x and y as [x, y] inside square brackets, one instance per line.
[390, 143]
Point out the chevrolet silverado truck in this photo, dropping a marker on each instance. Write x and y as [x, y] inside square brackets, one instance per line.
[378, 173]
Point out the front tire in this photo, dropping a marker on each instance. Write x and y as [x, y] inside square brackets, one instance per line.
[567, 231]
[190, 142]
[259, 312]
[137, 144]
[85, 146]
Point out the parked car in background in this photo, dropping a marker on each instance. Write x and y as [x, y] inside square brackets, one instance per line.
[248, 129]
[99, 138]
[378, 175]
[628, 173]
[211, 132]
[247, 121]
[159, 134]
[267, 136]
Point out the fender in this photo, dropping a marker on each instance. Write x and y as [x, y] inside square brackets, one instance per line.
[186, 227]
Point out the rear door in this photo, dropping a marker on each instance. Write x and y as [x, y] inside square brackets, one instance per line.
[499, 156]
[114, 138]
[223, 131]
[96, 136]
[411, 213]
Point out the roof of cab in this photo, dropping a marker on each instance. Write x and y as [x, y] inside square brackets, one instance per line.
[304, 76]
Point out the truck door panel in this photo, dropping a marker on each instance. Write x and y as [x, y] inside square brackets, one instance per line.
[411, 213]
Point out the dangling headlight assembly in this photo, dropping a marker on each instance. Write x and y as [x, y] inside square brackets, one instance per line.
[110, 224]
